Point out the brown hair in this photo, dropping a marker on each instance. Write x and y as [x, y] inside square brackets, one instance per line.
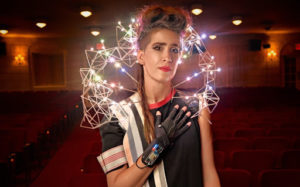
[156, 17]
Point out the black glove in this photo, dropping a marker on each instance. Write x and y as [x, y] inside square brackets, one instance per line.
[165, 133]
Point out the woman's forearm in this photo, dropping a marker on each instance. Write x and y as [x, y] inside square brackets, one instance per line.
[210, 175]
[129, 177]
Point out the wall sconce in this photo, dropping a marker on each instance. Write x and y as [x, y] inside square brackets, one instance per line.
[272, 54]
[19, 60]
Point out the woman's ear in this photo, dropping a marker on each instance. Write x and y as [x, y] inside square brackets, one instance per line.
[140, 57]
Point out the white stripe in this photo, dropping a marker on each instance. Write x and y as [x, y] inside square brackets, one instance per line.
[146, 184]
[120, 112]
[135, 130]
[135, 99]
[112, 151]
[159, 172]
[140, 111]
[162, 174]
[100, 160]
[112, 165]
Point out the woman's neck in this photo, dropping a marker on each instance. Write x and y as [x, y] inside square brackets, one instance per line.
[157, 92]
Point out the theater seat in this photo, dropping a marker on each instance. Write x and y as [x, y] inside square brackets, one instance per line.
[297, 143]
[290, 125]
[88, 180]
[285, 132]
[96, 148]
[219, 157]
[221, 132]
[253, 160]
[264, 125]
[279, 178]
[249, 132]
[291, 159]
[230, 144]
[227, 145]
[91, 165]
[234, 178]
[272, 143]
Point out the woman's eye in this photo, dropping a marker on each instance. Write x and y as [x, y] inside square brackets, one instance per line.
[175, 50]
[157, 47]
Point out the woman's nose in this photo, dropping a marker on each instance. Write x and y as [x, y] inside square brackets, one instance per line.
[167, 57]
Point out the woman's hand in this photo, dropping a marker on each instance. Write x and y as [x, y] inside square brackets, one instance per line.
[165, 133]
[173, 126]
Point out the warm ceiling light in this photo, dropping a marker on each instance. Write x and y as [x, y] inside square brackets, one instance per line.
[86, 13]
[41, 24]
[212, 36]
[196, 9]
[95, 32]
[237, 20]
[3, 31]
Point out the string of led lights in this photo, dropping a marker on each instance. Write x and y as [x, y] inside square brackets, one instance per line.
[97, 91]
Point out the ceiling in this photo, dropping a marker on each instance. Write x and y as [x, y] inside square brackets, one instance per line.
[63, 18]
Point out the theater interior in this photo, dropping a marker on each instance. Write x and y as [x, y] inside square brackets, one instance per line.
[255, 126]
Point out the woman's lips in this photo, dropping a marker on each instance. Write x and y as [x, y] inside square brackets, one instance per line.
[165, 68]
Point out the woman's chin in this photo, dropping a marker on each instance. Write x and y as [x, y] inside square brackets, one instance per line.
[164, 80]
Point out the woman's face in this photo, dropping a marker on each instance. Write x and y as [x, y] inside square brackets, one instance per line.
[160, 56]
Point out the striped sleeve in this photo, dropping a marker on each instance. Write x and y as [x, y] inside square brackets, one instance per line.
[113, 155]
[112, 159]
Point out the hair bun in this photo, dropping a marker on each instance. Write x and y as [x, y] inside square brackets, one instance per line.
[172, 18]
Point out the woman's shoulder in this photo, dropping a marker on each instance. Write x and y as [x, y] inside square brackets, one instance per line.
[133, 97]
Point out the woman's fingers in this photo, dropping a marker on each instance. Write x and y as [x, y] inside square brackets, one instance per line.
[173, 112]
[158, 118]
[182, 130]
[179, 115]
[184, 119]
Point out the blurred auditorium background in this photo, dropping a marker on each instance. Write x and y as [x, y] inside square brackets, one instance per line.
[256, 125]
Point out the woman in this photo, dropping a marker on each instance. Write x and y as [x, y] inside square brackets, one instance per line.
[160, 145]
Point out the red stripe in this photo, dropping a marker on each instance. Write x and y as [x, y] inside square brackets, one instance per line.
[161, 103]
[113, 158]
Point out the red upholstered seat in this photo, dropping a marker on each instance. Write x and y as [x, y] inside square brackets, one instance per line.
[91, 164]
[272, 143]
[279, 178]
[96, 148]
[5, 147]
[221, 132]
[264, 125]
[249, 132]
[18, 137]
[219, 157]
[234, 178]
[290, 125]
[291, 159]
[297, 143]
[253, 160]
[88, 180]
[286, 132]
[230, 144]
